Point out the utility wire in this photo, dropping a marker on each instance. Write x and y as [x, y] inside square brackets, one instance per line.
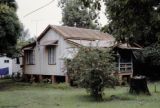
[38, 9]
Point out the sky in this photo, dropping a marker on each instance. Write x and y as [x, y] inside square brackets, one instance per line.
[38, 21]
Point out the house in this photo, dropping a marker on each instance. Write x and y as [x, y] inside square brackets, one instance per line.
[16, 64]
[9, 65]
[44, 58]
[5, 65]
[125, 61]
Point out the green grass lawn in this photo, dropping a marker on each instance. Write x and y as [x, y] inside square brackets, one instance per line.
[24, 95]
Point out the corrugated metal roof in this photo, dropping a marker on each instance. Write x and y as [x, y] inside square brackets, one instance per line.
[81, 33]
[75, 33]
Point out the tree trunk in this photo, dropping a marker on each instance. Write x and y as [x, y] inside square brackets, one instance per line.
[138, 84]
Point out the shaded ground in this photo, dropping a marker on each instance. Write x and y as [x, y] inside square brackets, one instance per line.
[8, 84]
[5, 84]
[25, 95]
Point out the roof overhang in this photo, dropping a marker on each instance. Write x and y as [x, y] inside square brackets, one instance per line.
[128, 46]
[50, 43]
[95, 43]
[29, 46]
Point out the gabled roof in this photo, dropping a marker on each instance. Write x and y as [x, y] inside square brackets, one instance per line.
[75, 34]
[78, 33]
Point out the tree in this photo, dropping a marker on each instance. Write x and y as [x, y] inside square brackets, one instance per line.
[92, 68]
[10, 29]
[23, 40]
[75, 14]
[135, 21]
[10, 3]
[132, 20]
[138, 21]
[148, 63]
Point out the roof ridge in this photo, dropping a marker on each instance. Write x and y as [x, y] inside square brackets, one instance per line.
[68, 31]
[74, 27]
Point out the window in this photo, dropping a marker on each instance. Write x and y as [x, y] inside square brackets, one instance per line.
[17, 60]
[6, 61]
[52, 55]
[30, 57]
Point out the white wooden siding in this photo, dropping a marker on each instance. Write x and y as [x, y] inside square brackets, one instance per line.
[41, 56]
[4, 65]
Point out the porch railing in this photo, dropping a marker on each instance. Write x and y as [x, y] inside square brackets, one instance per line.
[125, 67]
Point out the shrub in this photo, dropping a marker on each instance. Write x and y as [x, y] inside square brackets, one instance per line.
[91, 69]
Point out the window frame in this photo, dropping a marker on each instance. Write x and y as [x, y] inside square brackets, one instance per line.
[6, 61]
[51, 49]
[17, 60]
[30, 57]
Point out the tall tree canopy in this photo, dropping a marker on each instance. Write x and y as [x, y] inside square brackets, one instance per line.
[23, 40]
[10, 27]
[135, 21]
[132, 20]
[75, 14]
[10, 3]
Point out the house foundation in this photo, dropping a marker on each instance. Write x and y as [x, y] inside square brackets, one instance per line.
[53, 80]
[40, 78]
[46, 78]
[67, 79]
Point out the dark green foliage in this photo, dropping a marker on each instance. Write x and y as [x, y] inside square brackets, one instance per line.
[92, 4]
[136, 21]
[152, 55]
[148, 62]
[10, 3]
[75, 14]
[132, 20]
[23, 40]
[10, 29]
[92, 68]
